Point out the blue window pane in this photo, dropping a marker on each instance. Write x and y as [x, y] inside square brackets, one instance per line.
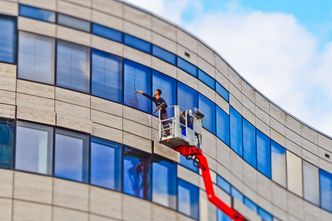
[106, 160]
[164, 55]
[207, 79]
[325, 179]
[187, 67]
[73, 22]
[208, 108]
[223, 184]
[188, 164]
[236, 131]
[188, 199]
[137, 77]
[168, 87]
[6, 143]
[266, 216]
[310, 183]
[263, 154]
[137, 43]
[106, 32]
[164, 183]
[222, 91]
[136, 174]
[249, 142]
[222, 125]
[37, 13]
[237, 194]
[278, 164]
[7, 39]
[106, 76]
[71, 156]
[251, 205]
[187, 97]
[222, 216]
[73, 66]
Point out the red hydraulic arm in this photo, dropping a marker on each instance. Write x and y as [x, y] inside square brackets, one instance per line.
[197, 155]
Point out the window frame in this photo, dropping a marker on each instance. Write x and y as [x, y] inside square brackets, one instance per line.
[30, 7]
[14, 48]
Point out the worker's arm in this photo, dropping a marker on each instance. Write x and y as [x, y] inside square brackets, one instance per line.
[146, 95]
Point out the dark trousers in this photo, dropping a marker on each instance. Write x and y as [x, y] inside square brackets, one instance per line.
[164, 116]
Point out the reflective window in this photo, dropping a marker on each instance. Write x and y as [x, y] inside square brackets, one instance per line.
[107, 32]
[222, 125]
[263, 153]
[6, 143]
[164, 55]
[249, 143]
[190, 94]
[251, 205]
[278, 163]
[137, 77]
[237, 194]
[136, 173]
[188, 163]
[167, 86]
[106, 76]
[164, 183]
[36, 58]
[188, 199]
[236, 131]
[207, 79]
[266, 216]
[7, 39]
[224, 184]
[137, 43]
[34, 148]
[325, 179]
[208, 108]
[73, 66]
[222, 91]
[222, 216]
[187, 67]
[71, 155]
[37, 13]
[294, 173]
[310, 183]
[106, 161]
[72, 22]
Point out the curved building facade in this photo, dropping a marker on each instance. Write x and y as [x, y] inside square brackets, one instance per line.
[77, 142]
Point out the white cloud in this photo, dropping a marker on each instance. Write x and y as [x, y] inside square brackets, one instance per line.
[273, 51]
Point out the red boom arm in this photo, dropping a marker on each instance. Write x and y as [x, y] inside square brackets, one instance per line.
[197, 154]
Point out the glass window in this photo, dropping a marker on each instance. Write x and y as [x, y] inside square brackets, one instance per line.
[137, 43]
[224, 184]
[6, 143]
[137, 77]
[250, 204]
[37, 13]
[222, 91]
[167, 86]
[190, 95]
[107, 32]
[222, 125]
[249, 143]
[187, 67]
[7, 39]
[106, 161]
[325, 179]
[164, 55]
[266, 216]
[222, 216]
[188, 163]
[236, 131]
[278, 163]
[34, 148]
[36, 58]
[106, 76]
[208, 108]
[263, 153]
[294, 173]
[205, 78]
[71, 155]
[72, 22]
[310, 183]
[164, 183]
[73, 66]
[237, 194]
[137, 173]
[188, 199]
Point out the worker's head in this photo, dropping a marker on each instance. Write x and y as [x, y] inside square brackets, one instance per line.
[157, 92]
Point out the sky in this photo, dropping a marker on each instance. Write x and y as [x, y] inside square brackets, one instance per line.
[282, 47]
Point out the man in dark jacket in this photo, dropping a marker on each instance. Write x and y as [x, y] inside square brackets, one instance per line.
[160, 105]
